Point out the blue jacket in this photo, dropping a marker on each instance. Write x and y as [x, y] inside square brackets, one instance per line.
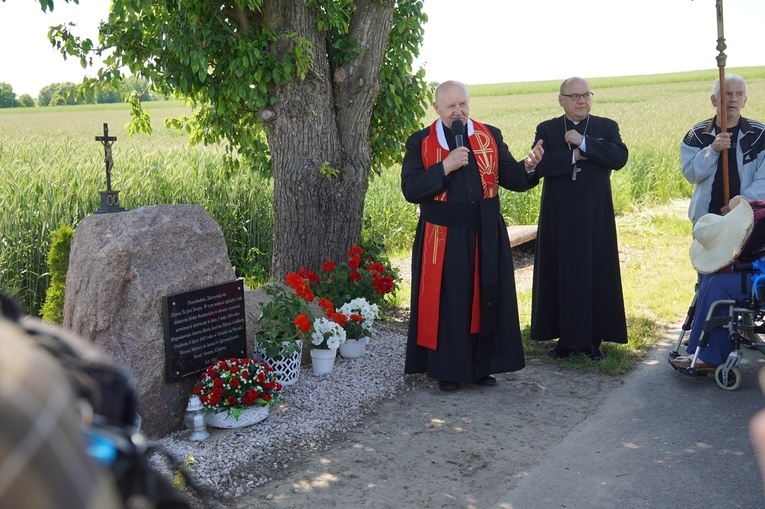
[700, 163]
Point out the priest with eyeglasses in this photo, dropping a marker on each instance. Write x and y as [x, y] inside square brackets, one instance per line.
[577, 291]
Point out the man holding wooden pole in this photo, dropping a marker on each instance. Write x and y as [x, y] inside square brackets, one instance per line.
[723, 161]
[726, 154]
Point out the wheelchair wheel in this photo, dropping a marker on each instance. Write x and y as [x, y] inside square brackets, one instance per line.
[734, 378]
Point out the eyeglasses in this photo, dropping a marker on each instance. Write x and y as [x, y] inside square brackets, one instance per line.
[586, 96]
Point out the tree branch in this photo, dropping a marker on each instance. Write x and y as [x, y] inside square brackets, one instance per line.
[357, 82]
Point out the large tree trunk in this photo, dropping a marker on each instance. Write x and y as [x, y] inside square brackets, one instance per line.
[326, 127]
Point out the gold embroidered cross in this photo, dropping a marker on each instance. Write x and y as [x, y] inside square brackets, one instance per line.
[484, 148]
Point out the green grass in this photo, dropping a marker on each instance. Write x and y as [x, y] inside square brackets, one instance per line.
[705, 76]
[657, 280]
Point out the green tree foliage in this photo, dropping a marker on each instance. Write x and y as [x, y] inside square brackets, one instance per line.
[289, 86]
[45, 94]
[7, 96]
[60, 94]
[64, 95]
[110, 95]
[57, 94]
[124, 89]
[26, 101]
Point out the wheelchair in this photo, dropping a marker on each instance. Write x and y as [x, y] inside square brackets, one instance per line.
[745, 321]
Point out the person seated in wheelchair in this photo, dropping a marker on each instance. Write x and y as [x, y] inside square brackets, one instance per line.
[720, 242]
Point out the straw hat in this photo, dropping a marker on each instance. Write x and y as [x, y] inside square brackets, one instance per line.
[718, 240]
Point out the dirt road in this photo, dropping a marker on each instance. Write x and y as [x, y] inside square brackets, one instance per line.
[446, 450]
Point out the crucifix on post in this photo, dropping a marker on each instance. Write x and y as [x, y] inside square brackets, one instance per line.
[110, 200]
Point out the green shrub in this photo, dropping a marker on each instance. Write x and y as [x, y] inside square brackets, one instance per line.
[58, 262]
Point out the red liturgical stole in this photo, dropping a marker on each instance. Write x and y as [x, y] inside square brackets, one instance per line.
[434, 150]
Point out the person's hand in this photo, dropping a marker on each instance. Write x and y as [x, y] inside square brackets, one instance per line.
[578, 155]
[532, 160]
[573, 138]
[757, 430]
[457, 158]
[757, 434]
[735, 201]
[722, 141]
[732, 204]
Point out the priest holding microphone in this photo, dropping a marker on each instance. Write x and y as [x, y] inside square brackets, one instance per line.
[464, 324]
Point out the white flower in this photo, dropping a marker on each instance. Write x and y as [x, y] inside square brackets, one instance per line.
[334, 342]
[327, 334]
[369, 312]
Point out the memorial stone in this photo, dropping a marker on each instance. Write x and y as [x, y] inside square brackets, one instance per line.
[120, 268]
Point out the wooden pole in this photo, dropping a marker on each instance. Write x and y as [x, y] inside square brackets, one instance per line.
[721, 100]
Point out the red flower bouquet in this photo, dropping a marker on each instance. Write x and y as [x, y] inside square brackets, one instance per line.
[361, 276]
[235, 384]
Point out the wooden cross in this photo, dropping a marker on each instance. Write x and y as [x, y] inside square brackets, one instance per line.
[107, 141]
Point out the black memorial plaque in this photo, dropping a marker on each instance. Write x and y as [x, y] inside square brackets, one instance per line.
[202, 326]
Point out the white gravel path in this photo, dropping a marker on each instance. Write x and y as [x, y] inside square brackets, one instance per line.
[308, 414]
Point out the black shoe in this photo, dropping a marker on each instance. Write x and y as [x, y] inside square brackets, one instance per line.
[559, 352]
[596, 354]
[486, 381]
[448, 386]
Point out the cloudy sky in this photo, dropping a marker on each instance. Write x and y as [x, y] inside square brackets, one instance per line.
[493, 41]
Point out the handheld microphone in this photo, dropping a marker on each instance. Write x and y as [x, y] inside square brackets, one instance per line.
[459, 132]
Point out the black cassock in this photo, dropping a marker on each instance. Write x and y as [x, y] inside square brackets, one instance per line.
[577, 292]
[458, 357]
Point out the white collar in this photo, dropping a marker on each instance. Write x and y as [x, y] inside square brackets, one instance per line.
[442, 137]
